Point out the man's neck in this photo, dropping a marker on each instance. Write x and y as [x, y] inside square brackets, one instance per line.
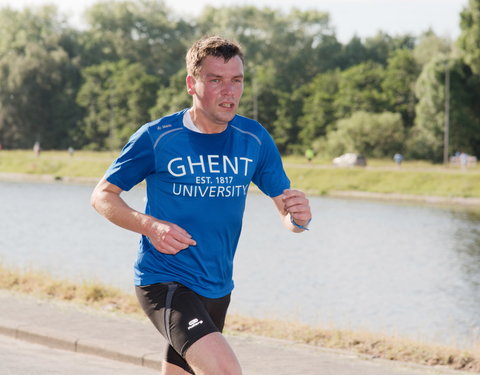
[204, 126]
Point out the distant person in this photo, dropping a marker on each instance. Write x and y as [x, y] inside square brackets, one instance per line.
[309, 154]
[71, 151]
[398, 158]
[463, 160]
[198, 165]
[36, 148]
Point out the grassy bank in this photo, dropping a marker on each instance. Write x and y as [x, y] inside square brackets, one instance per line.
[319, 177]
[435, 182]
[58, 164]
[41, 285]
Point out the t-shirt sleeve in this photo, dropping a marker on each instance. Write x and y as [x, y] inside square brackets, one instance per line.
[135, 163]
[270, 177]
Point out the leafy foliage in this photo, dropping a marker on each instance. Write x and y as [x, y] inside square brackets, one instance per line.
[399, 84]
[116, 98]
[469, 40]
[92, 88]
[370, 134]
[39, 80]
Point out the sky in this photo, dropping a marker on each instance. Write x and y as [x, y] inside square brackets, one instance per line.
[363, 18]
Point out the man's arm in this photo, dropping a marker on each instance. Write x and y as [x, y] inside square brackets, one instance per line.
[294, 206]
[166, 237]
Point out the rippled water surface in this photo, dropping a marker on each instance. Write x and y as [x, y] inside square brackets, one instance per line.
[393, 268]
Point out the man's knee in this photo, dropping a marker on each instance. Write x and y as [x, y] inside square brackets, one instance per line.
[212, 355]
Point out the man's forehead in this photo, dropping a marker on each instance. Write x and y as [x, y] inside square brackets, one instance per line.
[218, 66]
[222, 74]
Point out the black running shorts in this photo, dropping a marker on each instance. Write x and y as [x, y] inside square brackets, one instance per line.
[182, 316]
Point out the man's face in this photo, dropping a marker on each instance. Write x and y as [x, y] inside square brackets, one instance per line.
[217, 91]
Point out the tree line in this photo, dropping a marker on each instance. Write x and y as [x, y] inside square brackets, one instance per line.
[92, 88]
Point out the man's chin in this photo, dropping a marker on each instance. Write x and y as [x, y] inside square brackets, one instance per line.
[225, 118]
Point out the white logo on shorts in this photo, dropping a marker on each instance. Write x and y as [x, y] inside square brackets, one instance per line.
[193, 323]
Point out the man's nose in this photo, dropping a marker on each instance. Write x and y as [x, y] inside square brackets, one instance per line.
[228, 87]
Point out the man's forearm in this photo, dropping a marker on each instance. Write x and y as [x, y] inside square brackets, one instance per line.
[110, 205]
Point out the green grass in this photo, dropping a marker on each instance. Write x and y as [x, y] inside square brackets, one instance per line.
[377, 345]
[319, 177]
[56, 163]
[443, 183]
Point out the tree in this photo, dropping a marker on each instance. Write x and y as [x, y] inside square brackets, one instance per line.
[469, 93]
[380, 47]
[465, 109]
[399, 84]
[143, 31]
[287, 126]
[297, 45]
[261, 96]
[360, 89]
[116, 97]
[370, 134]
[39, 80]
[318, 110]
[469, 40]
[426, 137]
[430, 46]
[172, 98]
[353, 53]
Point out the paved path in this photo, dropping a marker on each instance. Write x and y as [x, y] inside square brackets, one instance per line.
[18, 357]
[77, 329]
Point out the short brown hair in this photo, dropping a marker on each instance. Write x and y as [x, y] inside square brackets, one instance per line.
[215, 46]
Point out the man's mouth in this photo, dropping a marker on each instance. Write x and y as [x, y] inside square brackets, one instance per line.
[227, 105]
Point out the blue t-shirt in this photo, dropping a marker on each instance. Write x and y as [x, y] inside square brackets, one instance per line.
[199, 182]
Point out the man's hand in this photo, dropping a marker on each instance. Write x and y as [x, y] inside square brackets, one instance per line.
[166, 237]
[297, 205]
[169, 238]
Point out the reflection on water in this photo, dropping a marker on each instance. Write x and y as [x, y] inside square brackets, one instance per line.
[395, 268]
[467, 248]
[378, 266]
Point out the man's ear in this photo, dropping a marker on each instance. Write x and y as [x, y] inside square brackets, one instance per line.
[190, 85]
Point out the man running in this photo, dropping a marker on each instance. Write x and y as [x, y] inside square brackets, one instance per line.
[198, 165]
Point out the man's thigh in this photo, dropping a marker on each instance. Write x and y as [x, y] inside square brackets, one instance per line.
[182, 316]
[212, 355]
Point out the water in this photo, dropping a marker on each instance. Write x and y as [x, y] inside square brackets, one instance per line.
[400, 269]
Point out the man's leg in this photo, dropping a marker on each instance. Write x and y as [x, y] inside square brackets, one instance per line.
[170, 369]
[156, 301]
[175, 364]
[191, 323]
[212, 355]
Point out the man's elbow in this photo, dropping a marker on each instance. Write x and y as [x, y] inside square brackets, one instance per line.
[94, 199]
[98, 194]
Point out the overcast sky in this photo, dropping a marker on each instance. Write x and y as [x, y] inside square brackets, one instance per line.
[349, 17]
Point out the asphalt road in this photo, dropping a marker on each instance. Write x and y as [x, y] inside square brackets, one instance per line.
[89, 342]
[19, 357]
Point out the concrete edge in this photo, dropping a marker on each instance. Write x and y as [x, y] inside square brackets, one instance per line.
[64, 341]
[102, 348]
